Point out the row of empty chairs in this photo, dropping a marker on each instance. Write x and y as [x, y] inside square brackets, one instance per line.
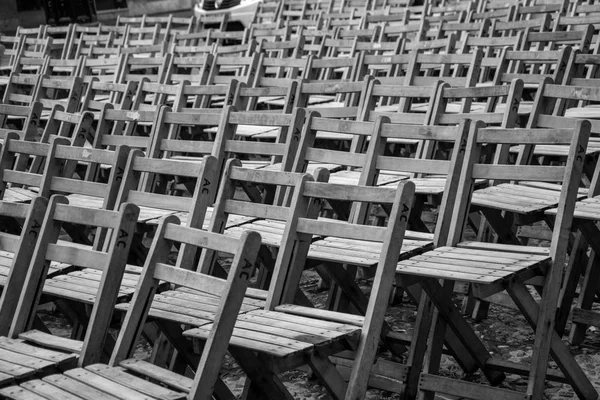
[148, 167]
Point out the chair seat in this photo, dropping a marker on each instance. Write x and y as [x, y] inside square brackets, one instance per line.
[6, 264]
[429, 185]
[346, 177]
[194, 308]
[20, 360]
[248, 131]
[558, 150]
[356, 252]
[521, 199]
[588, 112]
[310, 168]
[146, 213]
[588, 209]
[279, 334]
[365, 254]
[232, 220]
[82, 285]
[482, 263]
[19, 195]
[95, 381]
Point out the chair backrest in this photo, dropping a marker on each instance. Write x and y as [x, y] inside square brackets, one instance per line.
[21, 245]
[304, 227]
[65, 92]
[235, 177]
[110, 263]
[424, 166]
[56, 169]
[533, 66]
[118, 127]
[106, 69]
[568, 175]
[98, 93]
[287, 134]
[334, 99]
[542, 41]
[194, 69]
[254, 98]
[225, 68]
[151, 95]
[170, 140]
[137, 68]
[194, 96]
[21, 89]
[30, 116]
[229, 294]
[145, 183]
[510, 95]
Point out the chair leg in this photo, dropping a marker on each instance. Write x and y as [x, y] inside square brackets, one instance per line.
[560, 353]
[418, 346]
[264, 380]
[329, 376]
[461, 328]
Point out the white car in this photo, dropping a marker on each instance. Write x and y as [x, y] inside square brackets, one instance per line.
[241, 11]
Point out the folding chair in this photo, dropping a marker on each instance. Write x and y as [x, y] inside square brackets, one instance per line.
[124, 375]
[30, 353]
[495, 267]
[259, 335]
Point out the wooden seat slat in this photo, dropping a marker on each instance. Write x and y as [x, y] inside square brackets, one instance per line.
[498, 247]
[80, 389]
[446, 274]
[310, 334]
[192, 300]
[256, 341]
[203, 311]
[466, 267]
[19, 393]
[12, 370]
[512, 203]
[52, 341]
[254, 297]
[104, 384]
[74, 291]
[307, 321]
[129, 280]
[45, 354]
[504, 256]
[89, 284]
[152, 371]
[25, 360]
[555, 151]
[268, 239]
[48, 390]
[133, 382]
[183, 305]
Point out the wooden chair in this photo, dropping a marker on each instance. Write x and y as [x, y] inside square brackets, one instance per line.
[33, 353]
[17, 251]
[97, 94]
[226, 68]
[137, 68]
[144, 182]
[122, 374]
[519, 264]
[65, 92]
[193, 69]
[106, 69]
[253, 340]
[27, 128]
[119, 127]
[56, 171]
